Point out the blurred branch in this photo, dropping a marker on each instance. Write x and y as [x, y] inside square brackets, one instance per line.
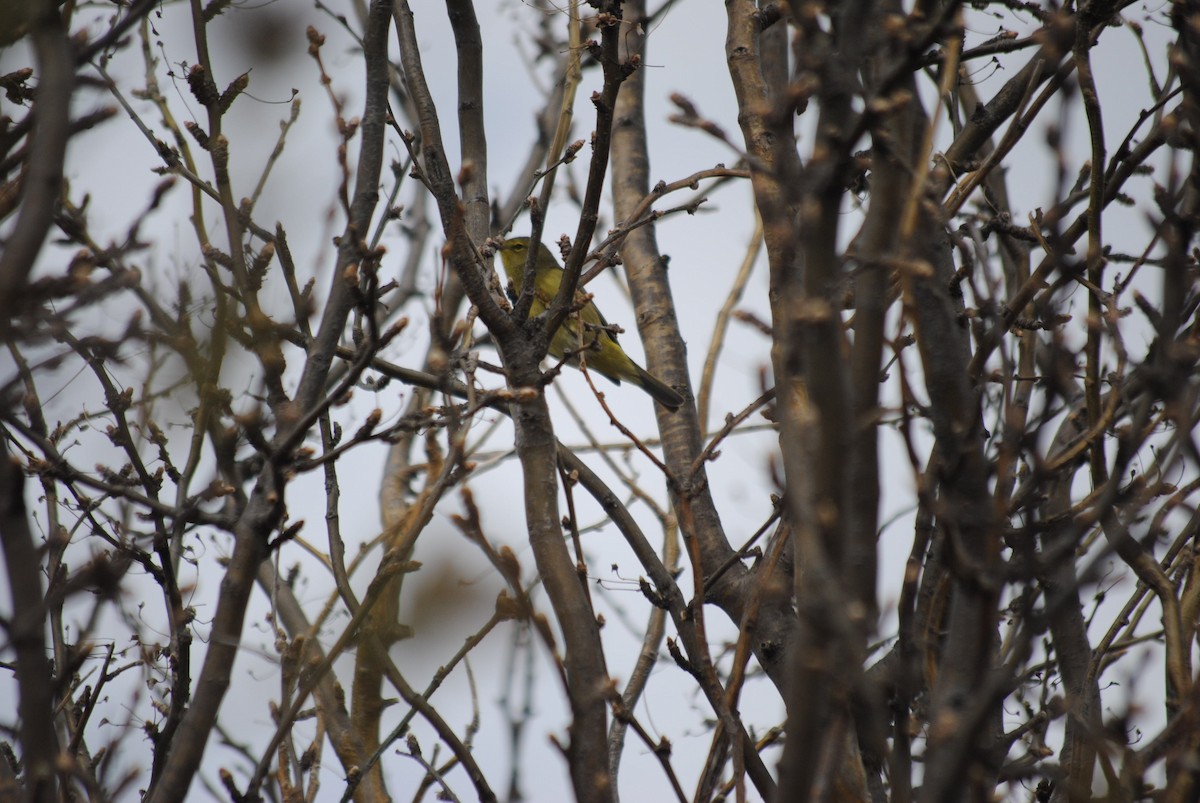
[41, 184]
[25, 630]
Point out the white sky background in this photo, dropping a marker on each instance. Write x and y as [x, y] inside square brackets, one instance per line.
[452, 596]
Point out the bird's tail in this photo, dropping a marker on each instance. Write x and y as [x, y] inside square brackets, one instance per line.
[661, 393]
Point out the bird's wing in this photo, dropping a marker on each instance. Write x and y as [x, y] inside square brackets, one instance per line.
[592, 316]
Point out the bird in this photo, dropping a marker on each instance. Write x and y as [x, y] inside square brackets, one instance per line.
[597, 343]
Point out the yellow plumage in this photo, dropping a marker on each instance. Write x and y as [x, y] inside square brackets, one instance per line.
[599, 347]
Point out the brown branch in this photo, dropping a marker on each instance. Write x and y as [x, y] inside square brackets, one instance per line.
[1095, 258]
[536, 446]
[41, 184]
[26, 636]
[264, 510]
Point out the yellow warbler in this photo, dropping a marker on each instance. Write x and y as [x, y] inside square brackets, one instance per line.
[599, 347]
